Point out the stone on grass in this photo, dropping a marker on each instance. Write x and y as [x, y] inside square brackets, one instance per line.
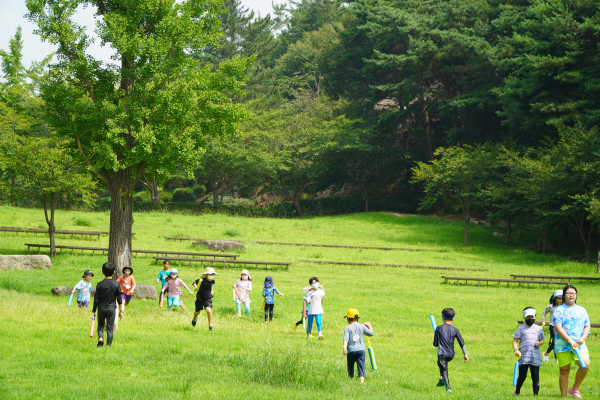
[25, 262]
[61, 290]
[220, 245]
[145, 292]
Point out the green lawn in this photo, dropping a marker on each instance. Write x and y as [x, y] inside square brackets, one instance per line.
[45, 351]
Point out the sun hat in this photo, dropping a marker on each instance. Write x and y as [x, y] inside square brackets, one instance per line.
[245, 272]
[352, 313]
[210, 271]
[558, 293]
[268, 282]
[127, 267]
[87, 272]
[174, 271]
[529, 312]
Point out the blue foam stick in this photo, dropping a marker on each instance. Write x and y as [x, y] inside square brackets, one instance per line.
[432, 322]
[581, 362]
[516, 373]
[70, 300]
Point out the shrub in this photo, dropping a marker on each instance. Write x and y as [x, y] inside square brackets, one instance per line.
[176, 181]
[142, 196]
[183, 195]
[228, 200]
[166, 197]
[82, 222]
[199, 191]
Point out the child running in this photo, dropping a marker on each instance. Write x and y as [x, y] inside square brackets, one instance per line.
[354, 347]
[85, 288]
[268, 293]
[204, 295]
[174, 291]
[555, 301]
[243, 287]
[163, 275]
[444, 341]
[314, 297]
[526, 343]
[127, 282]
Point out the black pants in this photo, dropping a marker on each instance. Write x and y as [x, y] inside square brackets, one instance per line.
[551, 341]
[443, 365]
[535, 377]
[269, 311]
[106, 317]
[357, 357]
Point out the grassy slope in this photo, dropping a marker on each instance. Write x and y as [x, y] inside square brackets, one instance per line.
[45, 351]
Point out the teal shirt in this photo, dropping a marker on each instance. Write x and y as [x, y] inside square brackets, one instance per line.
[163, 275]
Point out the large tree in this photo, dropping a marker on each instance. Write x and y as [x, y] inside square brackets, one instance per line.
[147, 112]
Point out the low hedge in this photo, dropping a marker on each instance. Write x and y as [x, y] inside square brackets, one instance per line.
[327, 206]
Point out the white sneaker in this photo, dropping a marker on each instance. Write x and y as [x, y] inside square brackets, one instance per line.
[321, 337]
[546, 358]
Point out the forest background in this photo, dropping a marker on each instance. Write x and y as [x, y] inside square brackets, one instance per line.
[488, 109]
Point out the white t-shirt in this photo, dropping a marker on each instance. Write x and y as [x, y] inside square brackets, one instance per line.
[314, 299]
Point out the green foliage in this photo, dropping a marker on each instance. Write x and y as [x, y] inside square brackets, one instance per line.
[199, 191]
[183, 195]
[82, 222]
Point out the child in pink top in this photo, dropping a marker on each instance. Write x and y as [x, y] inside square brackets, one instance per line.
[243, 287]
[173, 288]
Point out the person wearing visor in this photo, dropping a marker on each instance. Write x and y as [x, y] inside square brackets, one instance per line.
[572, 325]
[555, 301]
[526, 343]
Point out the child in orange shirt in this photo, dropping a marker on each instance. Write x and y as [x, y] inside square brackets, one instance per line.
[127, 282]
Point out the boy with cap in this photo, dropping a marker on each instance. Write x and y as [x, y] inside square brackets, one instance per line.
[354, 347]
[204, 296]
[444, 341]
[127, 282]
[85, 288]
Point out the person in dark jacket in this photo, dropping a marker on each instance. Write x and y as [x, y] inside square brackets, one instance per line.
[107, 293]
[444, 341]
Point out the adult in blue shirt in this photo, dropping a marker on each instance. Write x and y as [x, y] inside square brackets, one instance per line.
[572, 326]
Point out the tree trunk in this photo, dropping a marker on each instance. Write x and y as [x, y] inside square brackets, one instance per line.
[366, 205]
[12, 182]
[213, 183]
[508, 230]
[152, 188]
[50, 222]
[467, 214]
[297, 205]
[545, 239]
[588, 246]
[236, 194]
[121, 220]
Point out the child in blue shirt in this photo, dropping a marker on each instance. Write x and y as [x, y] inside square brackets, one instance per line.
[85, 288]
[268, 293]
[163, 275]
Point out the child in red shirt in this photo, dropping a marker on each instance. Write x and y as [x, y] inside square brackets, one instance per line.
[127, 282]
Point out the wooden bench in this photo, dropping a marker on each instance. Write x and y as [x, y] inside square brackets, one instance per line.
[540, 324]
[181, 238]
[234, 262]
[567, 277]
[133, 251]
[64, 233]
[391, 265]
[508, 281]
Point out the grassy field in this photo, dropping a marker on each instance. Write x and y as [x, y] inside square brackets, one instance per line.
[45, 351]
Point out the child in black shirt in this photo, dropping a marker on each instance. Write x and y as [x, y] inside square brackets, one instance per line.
[444, 341]
[204, 286]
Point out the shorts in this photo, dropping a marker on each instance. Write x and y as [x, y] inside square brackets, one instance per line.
[126, 297]
[203, 303]
[567, 357]
[84, 303]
